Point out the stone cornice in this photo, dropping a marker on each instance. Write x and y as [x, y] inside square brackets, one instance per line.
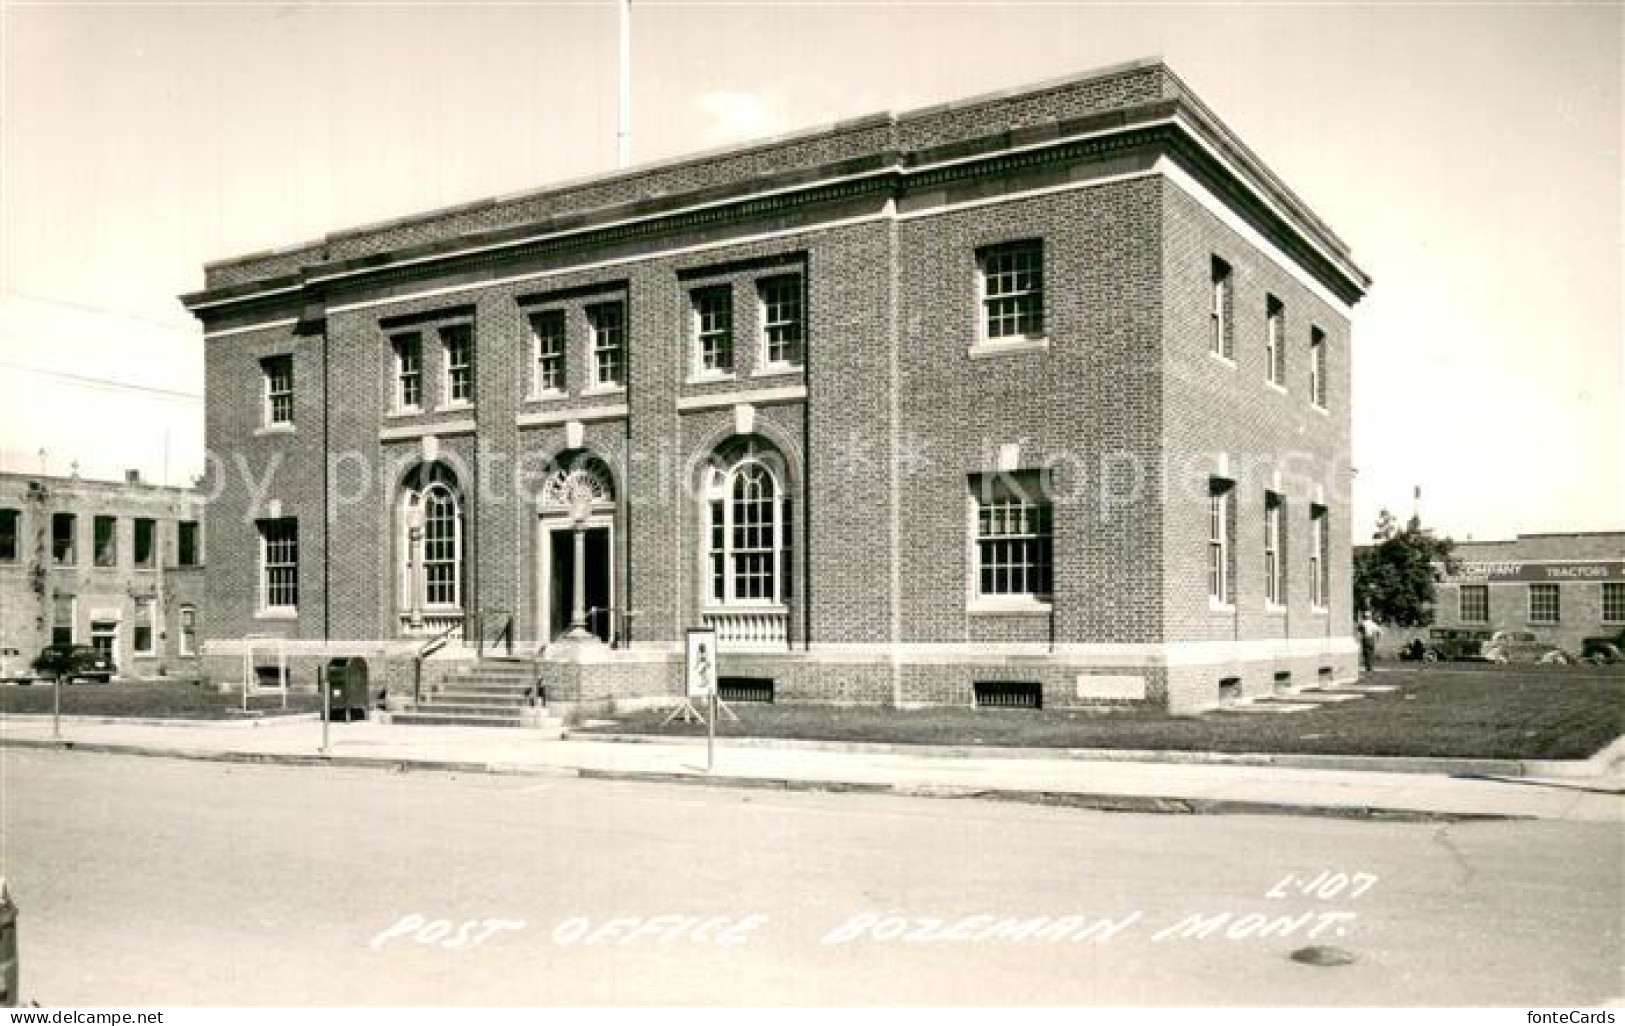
[1169, 126]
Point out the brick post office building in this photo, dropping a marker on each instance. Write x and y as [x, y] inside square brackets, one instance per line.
[1042, 394]
[113, 565]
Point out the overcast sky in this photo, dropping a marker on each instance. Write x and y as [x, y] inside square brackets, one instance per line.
[1470, 156]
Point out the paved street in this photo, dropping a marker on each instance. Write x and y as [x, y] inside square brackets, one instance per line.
[158, 881]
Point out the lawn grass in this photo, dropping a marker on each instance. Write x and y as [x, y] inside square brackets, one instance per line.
[1513, 712]
[170, 699]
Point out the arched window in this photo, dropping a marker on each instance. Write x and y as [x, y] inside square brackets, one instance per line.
[442, 546]
[749, 534]
[431, 571]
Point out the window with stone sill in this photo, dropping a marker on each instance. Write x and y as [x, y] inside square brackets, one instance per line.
[711, 316]
[1012, 292]
[1014, 537]
[548, 342]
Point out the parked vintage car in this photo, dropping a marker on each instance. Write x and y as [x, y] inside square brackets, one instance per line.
[74, 662]
[1522, 647]
[1444, 645]
[1603, 651]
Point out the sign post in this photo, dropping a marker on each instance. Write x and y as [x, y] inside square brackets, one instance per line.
[699, 679]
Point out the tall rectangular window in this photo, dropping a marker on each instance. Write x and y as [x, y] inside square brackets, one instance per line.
[64, 541]
[782, 326]
[1274, 550]
[278, 374]
[1475, 603]
[187, 552]
[458, 342]
[143, 626]
[408, 350]
[1014, 537]
[1275, 341]
[146, 541]
[279, 564]
[10, 528]
[1317, 367]
[1613, 603]
[188, 639]
[608, 324]
[64, 619]
[1221, 338]
[105, 541]
[1544, 604]
[1220, 498]
[547, 334]
[1318, 557]
[711, 314]
[1013, 291]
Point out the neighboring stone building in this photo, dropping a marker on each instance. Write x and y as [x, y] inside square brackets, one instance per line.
[1562, 588]
[1041, 393]
[114, 565]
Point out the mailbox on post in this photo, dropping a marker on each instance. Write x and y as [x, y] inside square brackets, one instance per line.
[347, 690]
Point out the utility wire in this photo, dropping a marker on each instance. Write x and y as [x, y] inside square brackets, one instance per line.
[109, 383]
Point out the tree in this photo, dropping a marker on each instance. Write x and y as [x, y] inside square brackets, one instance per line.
[1394, 576]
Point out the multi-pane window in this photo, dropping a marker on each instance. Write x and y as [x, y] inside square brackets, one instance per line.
[713, 322]
[64, 532]
[1544, 604]
[782, 329]
[188, 642]
[749, 536]
[279, 563]
[1013, 291]
[278, 373]
[186, 546]
[145, 541]
[1275, 341]
[608, 325]
[1220, 338]
[1219, 500]
[1613, 603]
[1317, 367]
[1014, 539]
[1274, 555]
[548, 339]
[105, 541]
[143, 626]
[1318, 553]
[1475, 603]
[442, 544]
[10, 520]
[458, 340]
[408, 351]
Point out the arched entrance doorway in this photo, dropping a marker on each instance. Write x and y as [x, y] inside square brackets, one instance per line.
[575, 550]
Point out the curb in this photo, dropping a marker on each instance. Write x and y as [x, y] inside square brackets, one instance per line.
[175, 722]
[1447, 766]
[1093, 801]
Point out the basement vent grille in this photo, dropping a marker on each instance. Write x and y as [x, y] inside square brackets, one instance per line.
[745, 689]
[1008, 694]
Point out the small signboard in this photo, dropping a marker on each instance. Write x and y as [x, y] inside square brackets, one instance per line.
[702, 662]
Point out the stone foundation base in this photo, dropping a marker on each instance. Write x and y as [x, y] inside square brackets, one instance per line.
[1177, 679]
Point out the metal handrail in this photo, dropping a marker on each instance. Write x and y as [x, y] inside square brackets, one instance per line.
[428, 649]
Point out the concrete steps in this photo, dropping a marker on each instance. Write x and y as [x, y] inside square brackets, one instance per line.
[493, 693]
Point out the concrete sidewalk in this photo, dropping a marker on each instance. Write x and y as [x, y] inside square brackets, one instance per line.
[1129, 786]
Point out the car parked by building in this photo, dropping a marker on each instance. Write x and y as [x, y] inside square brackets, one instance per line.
[1522, 647]
[75, 662]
